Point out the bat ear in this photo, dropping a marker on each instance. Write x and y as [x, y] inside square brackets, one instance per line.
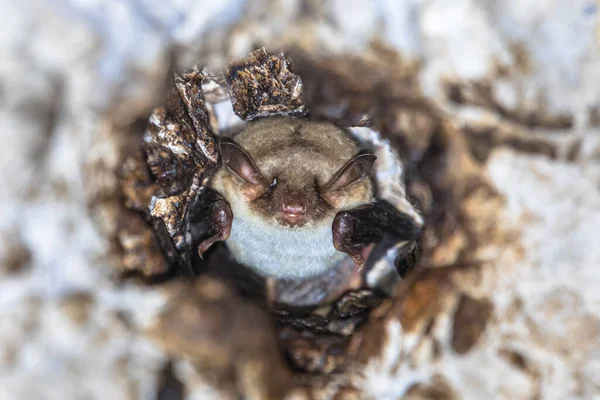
[356, 169]
[240, 162]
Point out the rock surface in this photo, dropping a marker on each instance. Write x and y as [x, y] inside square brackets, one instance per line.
[499, 96]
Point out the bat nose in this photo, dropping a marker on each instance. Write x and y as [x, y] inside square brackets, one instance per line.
[293, 208]
[293, 212]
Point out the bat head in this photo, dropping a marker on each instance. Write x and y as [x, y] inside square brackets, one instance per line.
[294, 172]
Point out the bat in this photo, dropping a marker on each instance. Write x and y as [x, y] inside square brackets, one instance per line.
[294, 196]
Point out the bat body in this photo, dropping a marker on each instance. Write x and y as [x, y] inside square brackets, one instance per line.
[285, 180]
[283, 252]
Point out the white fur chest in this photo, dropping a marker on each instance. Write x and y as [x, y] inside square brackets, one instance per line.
[280, 252]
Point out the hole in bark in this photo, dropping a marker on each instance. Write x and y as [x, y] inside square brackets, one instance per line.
[314, 340]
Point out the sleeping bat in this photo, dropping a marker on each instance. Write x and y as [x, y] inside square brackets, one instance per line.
[294, 196]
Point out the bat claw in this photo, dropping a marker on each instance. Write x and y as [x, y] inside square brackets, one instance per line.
[221, 219]
[357, 258]
[343, 230]
[359, 261]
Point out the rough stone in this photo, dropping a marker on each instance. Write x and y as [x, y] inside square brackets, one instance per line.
[505, 167]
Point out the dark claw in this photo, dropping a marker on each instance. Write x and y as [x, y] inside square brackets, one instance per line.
[221, 218]
[343, 232]
[354, 229]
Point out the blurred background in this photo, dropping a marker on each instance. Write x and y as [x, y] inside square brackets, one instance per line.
[516, 80]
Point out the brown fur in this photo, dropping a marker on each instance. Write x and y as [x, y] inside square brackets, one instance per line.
[302, 156]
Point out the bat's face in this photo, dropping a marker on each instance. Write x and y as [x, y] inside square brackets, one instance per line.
[293, 172]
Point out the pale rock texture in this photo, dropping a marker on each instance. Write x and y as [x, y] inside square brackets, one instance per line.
[72, 69]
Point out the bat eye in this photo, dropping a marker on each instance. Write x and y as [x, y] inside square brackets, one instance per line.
[273, 183]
